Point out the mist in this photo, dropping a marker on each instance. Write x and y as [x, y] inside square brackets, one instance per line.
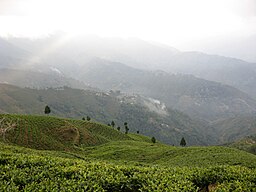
[225, 28]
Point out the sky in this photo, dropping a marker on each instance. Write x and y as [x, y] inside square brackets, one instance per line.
[184, 24]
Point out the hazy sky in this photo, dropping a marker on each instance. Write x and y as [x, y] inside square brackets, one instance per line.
[183, 24]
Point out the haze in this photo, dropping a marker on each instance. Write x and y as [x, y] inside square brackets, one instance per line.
[225, 27]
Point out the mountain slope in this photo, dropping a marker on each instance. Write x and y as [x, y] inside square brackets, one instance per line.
[144, 55]
[230, 71]
[38, 80]
[235, 128]
[44, 132]
[196, 97]
[12, 56]
[145, 115]
[88, 140]
[90, 60]
[81, 58]
[247, 144]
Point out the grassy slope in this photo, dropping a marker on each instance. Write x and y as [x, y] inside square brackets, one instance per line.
[103, 159]
[46, 132]
[92, 140]
[142, 152]
[24, 169]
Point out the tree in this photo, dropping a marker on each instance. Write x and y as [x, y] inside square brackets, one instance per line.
[118, 128]
[126, 127]
[83, 119]
[138, 132]
[113, 124]
[153, 139]
[47, 110]
[88, 118]
[182, 142]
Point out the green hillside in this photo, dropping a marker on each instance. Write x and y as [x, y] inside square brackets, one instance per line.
[159, 154]
[247, 144]
[31, 170]
[98, 141]
[45, 132]
[166, 125]
[87, 156]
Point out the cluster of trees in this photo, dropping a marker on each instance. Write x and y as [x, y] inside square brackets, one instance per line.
[182, 141]
[87, 118]
[112, 124]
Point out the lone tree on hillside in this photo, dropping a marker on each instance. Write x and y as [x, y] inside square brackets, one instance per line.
[113, 124]
[153, 139]
[47, 110]
[88, 118]
[118, 128]
[126, 127]
[182, 142]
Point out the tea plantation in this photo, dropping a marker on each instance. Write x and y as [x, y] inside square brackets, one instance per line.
[85, 156]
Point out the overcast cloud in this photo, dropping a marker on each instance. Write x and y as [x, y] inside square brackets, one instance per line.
[202, 25]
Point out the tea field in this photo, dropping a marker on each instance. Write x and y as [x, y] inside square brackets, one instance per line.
[52, 154]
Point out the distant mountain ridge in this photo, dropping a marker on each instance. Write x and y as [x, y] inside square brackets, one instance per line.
[61, 52]
[143, 55]
[196, 97]
[38, 80]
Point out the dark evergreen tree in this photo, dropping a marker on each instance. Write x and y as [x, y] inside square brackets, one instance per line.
[153, 139]
[182, 142]
[118, 128]
[47, 110]
[88, 118]
[113, 124]
[126, 127]
[83, 119]
[138, 132]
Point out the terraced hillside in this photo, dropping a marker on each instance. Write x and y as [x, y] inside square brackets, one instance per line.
[88, 156]
[41, 132]
[99, 141]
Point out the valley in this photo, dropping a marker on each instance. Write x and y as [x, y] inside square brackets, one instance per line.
[142, 114]
[118, 111]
